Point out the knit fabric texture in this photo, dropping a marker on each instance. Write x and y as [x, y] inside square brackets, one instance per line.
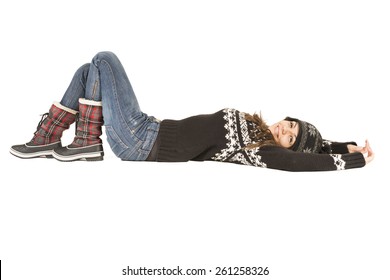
[309, 139]
[224, 136]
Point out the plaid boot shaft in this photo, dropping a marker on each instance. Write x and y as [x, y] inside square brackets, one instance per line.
[47, 137]
[87, 144]
[50, 129]
[89, 126]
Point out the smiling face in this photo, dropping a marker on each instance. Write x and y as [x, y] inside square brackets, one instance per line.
[285, 132]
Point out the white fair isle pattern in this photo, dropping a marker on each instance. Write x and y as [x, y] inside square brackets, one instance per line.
[233, 143]
[239, 157]
[327, 143]
[234, 151]
[255, 158]
[338, 162]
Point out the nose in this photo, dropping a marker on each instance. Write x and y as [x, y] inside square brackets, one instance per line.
[285, 129]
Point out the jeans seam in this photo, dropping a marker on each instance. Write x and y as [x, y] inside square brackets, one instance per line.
[115, 137]
[115, 93]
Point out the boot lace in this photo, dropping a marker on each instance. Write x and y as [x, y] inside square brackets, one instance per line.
[44, 116]
[77, 122]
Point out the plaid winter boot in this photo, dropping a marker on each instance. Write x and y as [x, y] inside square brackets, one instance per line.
[87, 144]
[48, 134]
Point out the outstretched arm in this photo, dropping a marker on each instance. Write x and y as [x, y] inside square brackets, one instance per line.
[284, 159]
[332, 147]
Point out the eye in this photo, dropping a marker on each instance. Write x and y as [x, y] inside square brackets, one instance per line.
[291, 140]
[291, 124]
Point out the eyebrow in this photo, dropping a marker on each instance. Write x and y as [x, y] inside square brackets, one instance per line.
[296, 135]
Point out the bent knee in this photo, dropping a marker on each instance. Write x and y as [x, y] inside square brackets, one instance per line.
[106, 56]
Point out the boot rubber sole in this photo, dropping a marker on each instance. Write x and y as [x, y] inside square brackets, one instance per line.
[96, 156]
[41, 154]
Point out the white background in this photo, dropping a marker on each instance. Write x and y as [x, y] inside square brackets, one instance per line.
[327, 62]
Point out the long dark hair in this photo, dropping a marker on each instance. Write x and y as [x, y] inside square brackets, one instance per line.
[260, 134]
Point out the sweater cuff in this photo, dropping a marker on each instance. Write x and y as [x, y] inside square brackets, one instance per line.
[353, 160]
[167, 148]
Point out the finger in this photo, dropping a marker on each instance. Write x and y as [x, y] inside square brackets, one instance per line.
[368, 147]
[370, 158]
[371, 154]
[354, 149]
[370, 151]
[367, 144]
[363, 150]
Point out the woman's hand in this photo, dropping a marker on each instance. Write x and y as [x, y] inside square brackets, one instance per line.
[369, 156]
[366, 151]
[357, 149]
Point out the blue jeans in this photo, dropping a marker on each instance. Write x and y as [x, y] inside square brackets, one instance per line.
[130, 132]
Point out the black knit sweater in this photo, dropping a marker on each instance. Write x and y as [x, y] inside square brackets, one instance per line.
[223, 136]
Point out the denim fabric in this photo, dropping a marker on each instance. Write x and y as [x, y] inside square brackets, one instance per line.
[76, 89]
[130, 132]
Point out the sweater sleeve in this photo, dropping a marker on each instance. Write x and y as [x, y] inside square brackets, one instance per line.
[332, 147]
[284, 159]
